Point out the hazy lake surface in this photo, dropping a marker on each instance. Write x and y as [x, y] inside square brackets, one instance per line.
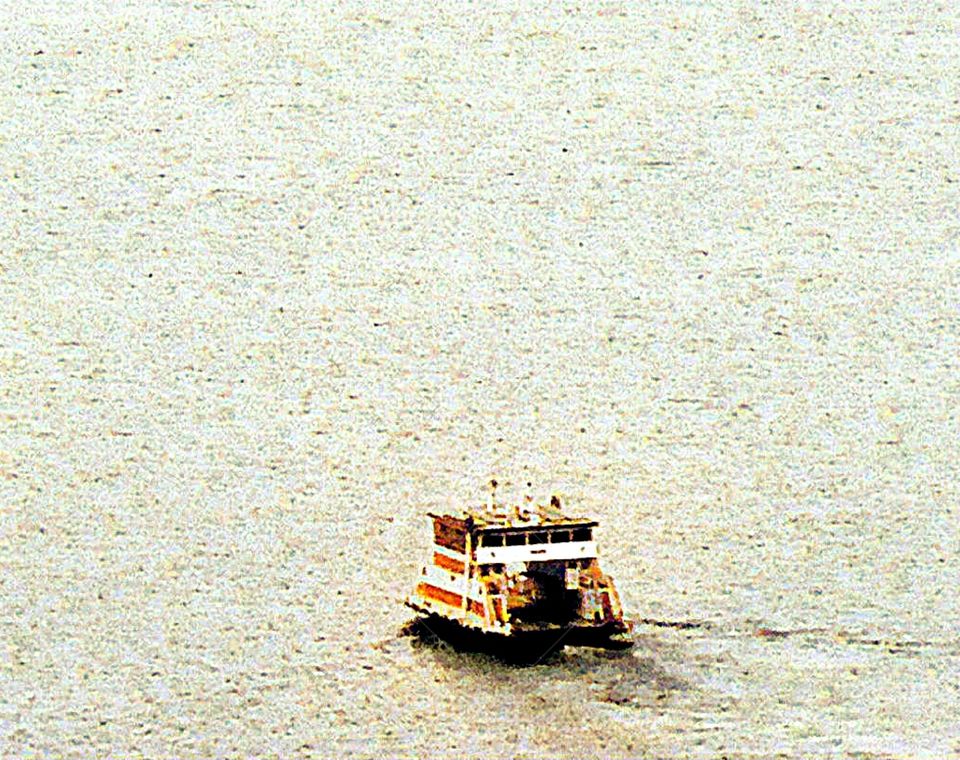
[275, 281]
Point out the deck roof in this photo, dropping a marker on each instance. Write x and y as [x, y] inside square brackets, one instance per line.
[527, 517]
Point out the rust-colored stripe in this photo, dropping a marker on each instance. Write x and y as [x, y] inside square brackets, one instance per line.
[447, 563]
[448, 597]
[440, 595]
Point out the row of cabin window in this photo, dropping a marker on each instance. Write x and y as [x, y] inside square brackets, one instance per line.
[535, 537]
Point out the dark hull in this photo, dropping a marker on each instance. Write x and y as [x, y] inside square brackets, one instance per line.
[526, 645]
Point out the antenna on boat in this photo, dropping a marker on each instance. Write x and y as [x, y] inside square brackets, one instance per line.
[493, 494]
[528, 502]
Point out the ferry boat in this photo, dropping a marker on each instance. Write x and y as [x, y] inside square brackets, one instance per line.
[518, 579]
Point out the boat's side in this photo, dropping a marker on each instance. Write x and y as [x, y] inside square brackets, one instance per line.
[527, 646]
[523, 642]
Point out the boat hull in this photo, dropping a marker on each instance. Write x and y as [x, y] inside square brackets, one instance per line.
[528, 645]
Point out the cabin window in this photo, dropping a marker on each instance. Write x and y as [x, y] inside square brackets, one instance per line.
[582, 534]
[540, 537]
[491, 539]
[559, 536]
[515, 539]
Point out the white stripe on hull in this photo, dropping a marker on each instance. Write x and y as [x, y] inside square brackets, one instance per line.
[437, 576]
[459, 556]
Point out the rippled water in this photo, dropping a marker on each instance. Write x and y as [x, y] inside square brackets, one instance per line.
[276, 281]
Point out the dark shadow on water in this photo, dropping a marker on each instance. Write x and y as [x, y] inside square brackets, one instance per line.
[621, 677]
[626, 678]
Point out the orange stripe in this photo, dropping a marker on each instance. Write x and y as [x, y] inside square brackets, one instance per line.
[448, 597]
[440, 595]
[447, 563]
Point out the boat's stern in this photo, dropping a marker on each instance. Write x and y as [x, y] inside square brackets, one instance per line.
[518, 574]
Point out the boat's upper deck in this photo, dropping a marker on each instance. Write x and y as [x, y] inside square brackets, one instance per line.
[522, 533]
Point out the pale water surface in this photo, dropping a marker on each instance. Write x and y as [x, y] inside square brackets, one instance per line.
[278, 277]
